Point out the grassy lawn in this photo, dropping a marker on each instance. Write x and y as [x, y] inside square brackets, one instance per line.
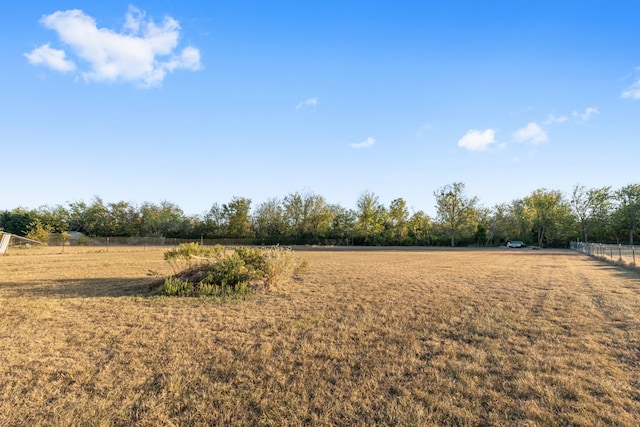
[370, 337]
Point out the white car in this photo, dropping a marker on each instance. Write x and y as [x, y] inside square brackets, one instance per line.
[516, 244]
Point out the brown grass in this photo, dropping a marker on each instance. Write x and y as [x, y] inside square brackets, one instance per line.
[376, 337]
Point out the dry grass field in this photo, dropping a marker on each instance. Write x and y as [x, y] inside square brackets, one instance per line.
[375, 337]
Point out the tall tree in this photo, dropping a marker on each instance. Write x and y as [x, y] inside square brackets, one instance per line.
[19, 221]
[549, 215]
[591, 207]
[237, 217]
[163, 220]
[482, 234]
[124, 219]
[213, 226]
[97, 219]
[420, 228]
[268, 219]
[499, 220]
[56, 218]
[455, 210]
[628, 210]
[308, 216]
[397, 218]
[342, 224]
[370, 218]
[78, 216]
[517, 223]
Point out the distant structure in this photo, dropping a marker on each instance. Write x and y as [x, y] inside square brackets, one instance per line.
[5, 239]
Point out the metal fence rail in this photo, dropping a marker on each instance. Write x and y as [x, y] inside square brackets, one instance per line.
[147, 241]
[620, 253]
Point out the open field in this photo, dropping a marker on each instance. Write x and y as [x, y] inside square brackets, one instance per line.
[376, 337]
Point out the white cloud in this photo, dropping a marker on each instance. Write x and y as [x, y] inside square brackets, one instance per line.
[144, 53]
[553, 120]
[588, 114]
[633, 91]
[52, 58]
[475, 140]
[532, 133]
[364, 144]
[311, 102]
[424, 129]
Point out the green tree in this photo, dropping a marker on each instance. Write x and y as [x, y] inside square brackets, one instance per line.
[550, 217]
[592, 208]
[18, 221]
[97, 219]
[370, 219]
[628, 209]
[342, 224]
[56, 217]
[63, 238]
[397, 219]
[236, 217]
[481, 235]
[163, 220]
[308, 216]
[420, 228]
[124, 218]
[78, 217]
[39, 232]
[455, 211]
[498, 226]
[268, 219]
[518, 224]
[213, 226]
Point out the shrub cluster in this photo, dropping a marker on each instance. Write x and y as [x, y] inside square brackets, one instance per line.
[212, 272]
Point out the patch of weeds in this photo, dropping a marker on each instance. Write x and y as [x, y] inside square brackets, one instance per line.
[174, 286]
[187, 255]
[233, 276]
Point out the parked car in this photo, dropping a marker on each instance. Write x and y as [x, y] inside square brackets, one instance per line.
[516, 244]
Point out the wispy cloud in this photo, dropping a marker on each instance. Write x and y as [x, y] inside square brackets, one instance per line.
[424, 129]
[311, 102]
[528, 155]
[52, 58]
[475, 140]
[552, 120]
[633, 91]
[364, 144]
[532, 133]
[588, 114]
[142, 53]
[577, 116]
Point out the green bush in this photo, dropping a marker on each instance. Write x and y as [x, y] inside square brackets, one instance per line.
[188, 254]
[231, 275]
[177, 287]
[38, 232]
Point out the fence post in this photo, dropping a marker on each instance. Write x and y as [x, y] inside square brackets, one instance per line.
[619, 251]
[633, 252]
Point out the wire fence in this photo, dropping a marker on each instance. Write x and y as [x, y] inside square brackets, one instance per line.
[147, 241]
[618, 253]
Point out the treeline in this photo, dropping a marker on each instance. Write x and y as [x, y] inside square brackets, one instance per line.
[546, 218]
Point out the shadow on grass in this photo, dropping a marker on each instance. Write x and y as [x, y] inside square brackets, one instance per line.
[623, 271]
[82, 288]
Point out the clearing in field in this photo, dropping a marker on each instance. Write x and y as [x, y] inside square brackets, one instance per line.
[375, 337]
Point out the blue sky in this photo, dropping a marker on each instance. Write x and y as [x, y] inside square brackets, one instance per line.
[198, 102]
